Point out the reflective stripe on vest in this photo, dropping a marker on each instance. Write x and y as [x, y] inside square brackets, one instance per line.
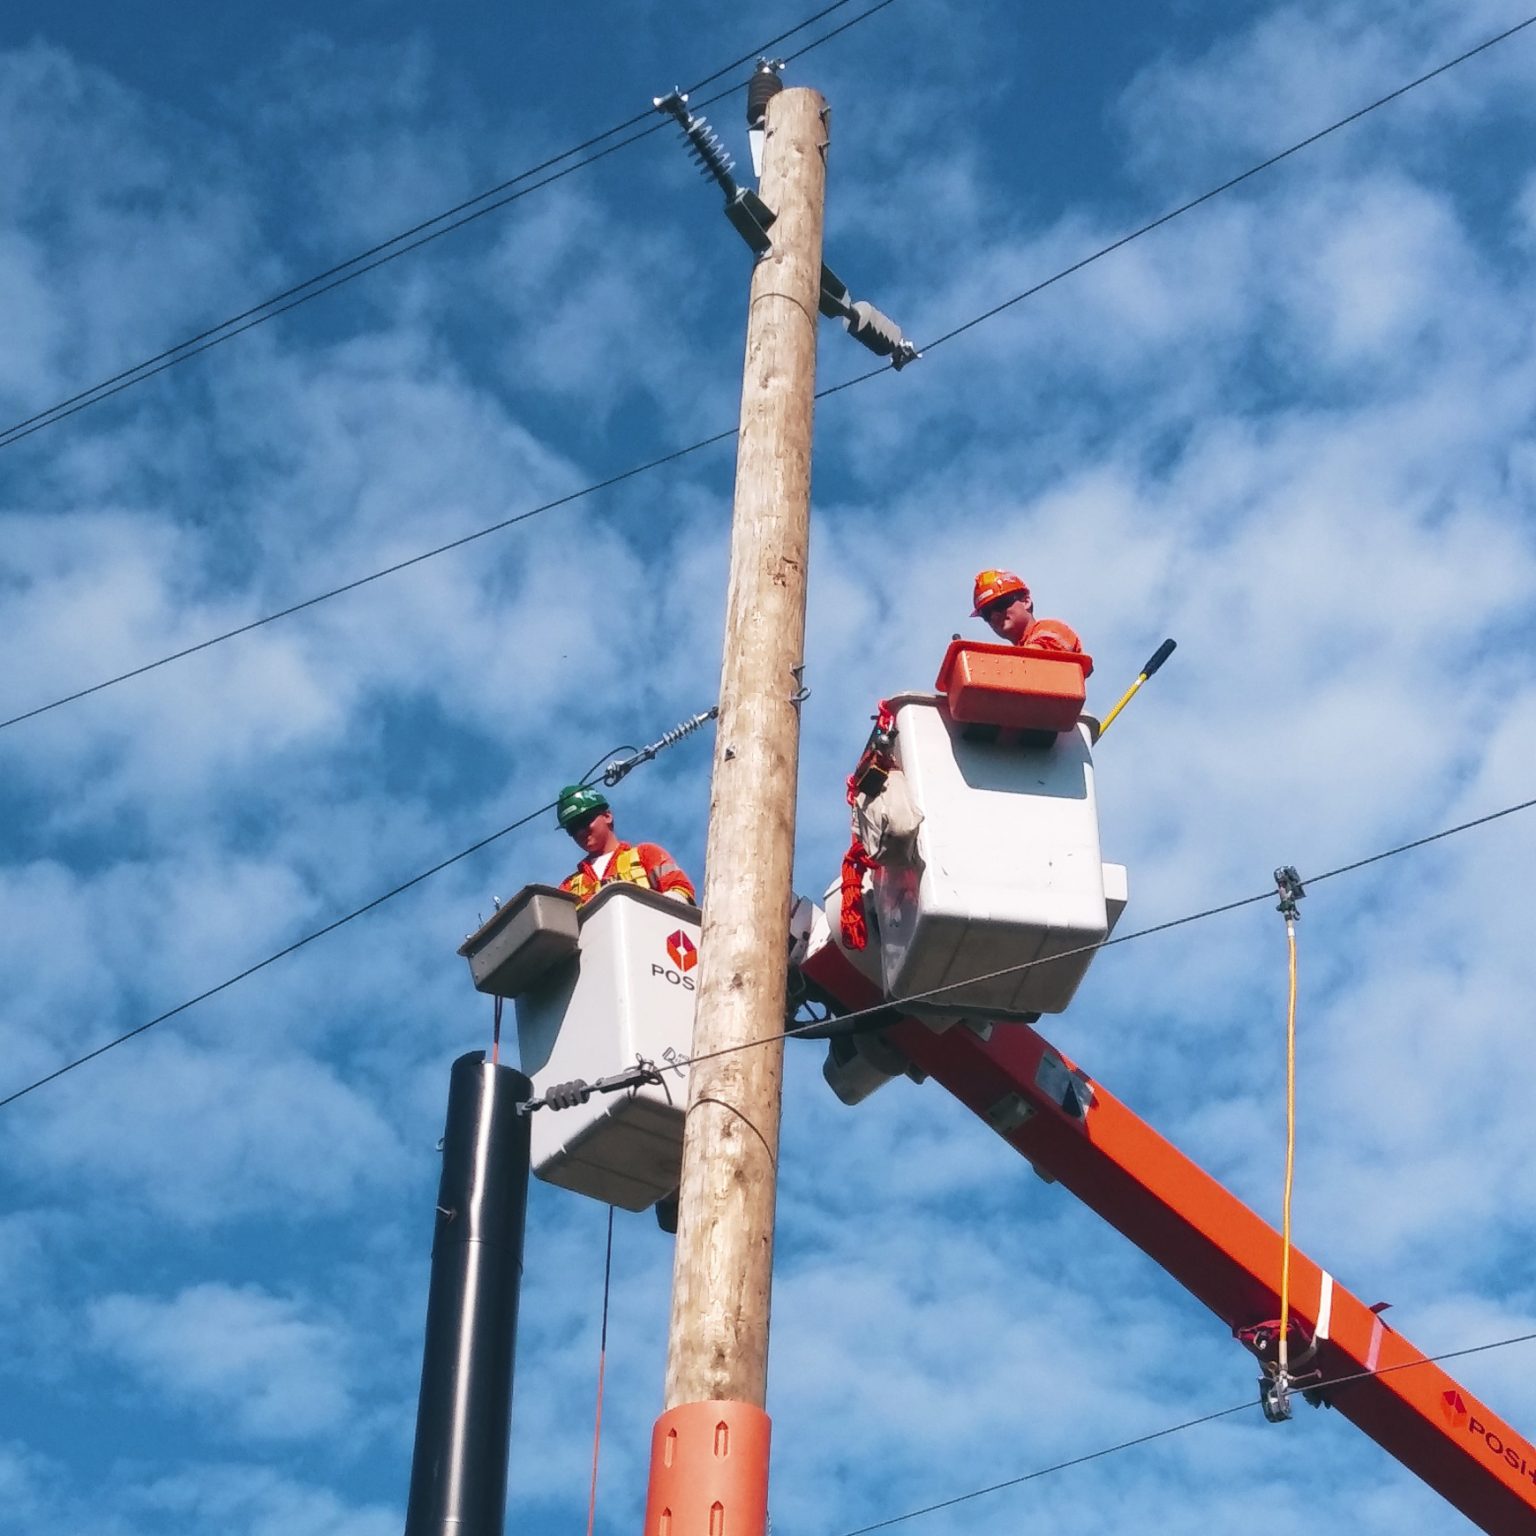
[625, 865]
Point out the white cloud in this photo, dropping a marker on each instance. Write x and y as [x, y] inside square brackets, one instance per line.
[264, 1365]
[256, 1501]
[1298, 67]
[208, 1136]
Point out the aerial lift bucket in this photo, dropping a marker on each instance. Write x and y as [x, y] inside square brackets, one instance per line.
[995, 906]
[598, 988]
[988, 895]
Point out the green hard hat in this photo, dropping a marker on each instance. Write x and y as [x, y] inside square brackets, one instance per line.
[577, 802]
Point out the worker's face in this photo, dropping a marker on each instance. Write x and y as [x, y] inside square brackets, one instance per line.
[591, 835]
[1011, 616]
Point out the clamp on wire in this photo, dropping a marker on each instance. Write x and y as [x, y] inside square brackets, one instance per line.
[617, 770]
[1278, 1380]
[1288, 884]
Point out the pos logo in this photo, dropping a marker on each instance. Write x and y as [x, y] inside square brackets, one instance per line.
[1460, 1417]
[684, 955]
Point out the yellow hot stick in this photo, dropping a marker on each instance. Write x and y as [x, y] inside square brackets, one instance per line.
[1159, 656]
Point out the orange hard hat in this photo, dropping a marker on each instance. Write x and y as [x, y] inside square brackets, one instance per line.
[991, 585]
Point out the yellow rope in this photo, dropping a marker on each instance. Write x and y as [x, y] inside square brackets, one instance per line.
[1290, 1149]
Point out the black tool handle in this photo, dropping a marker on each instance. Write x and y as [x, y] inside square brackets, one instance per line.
[1159, 656]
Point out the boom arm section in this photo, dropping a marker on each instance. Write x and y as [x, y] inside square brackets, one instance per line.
[1078, 1134]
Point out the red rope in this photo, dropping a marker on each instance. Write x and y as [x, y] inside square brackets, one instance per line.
[602, 1366]
[855, 929]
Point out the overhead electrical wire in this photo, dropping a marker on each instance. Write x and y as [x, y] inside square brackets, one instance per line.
[849, 1018]
[877, 1015]
[1193, 917]
[408, 240]
[615, 772]
[1226, 186]
[1195, 202]
[822, 394]
[363, 581]
[1174, 1429]
[288, 949]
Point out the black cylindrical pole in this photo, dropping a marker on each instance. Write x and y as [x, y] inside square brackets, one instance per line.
[464, 1417]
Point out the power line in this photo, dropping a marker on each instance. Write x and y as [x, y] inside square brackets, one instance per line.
[261, 965]
[1237, 180]
[402, 244]
[842, 1020]
[843, 1023]
[1195, 202]
[1172, 1429]
[363, 581]
[1419, 842]
[822, 394]
[648, 754]
[1142, 933]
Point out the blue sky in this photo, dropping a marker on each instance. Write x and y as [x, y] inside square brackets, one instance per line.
[1293, 429]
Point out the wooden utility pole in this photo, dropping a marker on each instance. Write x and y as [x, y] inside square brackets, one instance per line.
[718, 1345]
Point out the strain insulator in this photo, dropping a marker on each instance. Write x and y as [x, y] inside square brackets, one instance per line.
[880, 334]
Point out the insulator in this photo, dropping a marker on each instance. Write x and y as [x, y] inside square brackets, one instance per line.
[879, 333]
[616, 771]
[705, 144]
[760, 88]
[875, 330]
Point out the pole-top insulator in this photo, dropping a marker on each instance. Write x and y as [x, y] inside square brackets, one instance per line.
[761, 88]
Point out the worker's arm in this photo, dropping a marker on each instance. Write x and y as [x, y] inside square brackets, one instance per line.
[665, 874]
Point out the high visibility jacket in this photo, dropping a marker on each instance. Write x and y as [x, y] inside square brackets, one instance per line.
[640, 864]
[1051, 635]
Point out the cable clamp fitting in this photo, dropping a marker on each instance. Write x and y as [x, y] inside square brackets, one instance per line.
[1288, 883]
[801, 693]
[1275, 1397]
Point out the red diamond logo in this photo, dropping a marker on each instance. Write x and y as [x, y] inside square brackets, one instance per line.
[681, 951]
[1454, 1406]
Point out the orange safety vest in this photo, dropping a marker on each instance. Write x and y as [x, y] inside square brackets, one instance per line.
[645, 864]
[1051, 635]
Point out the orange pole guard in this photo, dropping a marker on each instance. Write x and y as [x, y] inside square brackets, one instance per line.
[709, 1471]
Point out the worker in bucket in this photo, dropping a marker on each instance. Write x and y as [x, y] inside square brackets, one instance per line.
[587, 816]
[1003, 600]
